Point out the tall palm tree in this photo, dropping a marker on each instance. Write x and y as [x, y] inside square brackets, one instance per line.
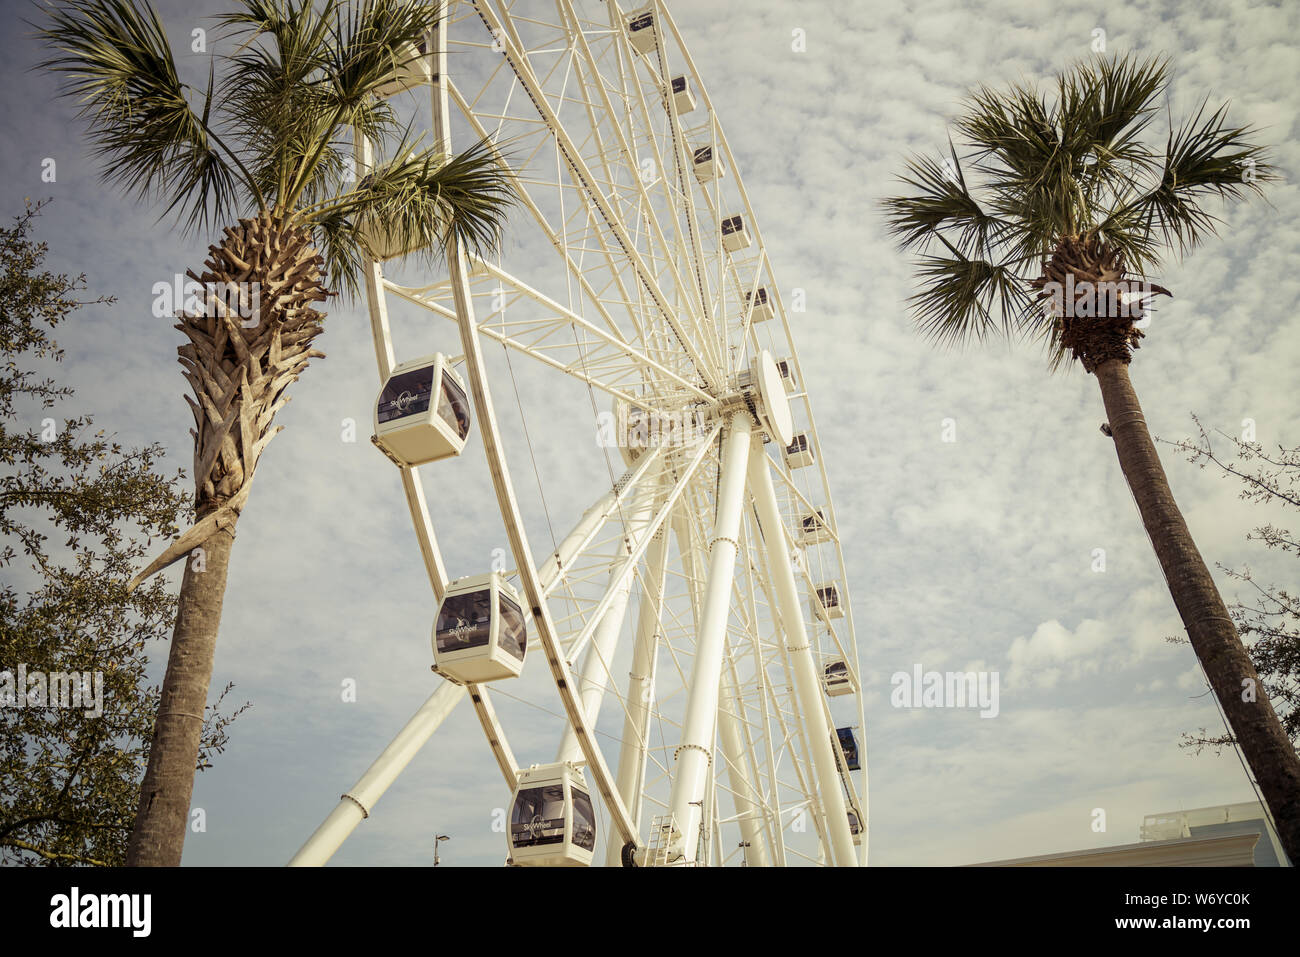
[269, 137]
[1049, 226]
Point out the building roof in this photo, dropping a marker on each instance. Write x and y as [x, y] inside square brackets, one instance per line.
[1235, 850]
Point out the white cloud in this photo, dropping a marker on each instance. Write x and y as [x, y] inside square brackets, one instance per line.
[1036, 659]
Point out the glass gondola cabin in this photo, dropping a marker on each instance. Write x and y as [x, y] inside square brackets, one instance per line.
[762, 310]
[836, 678]
[855, 825]
[813, 528]
[480, 634]
[849, 745]
[422, 414]
[828, 601]
[641, 30]
[735, 236]
[799, 452]
[707, 166]
[784, 367]
[412, 70]
[552, 820]
[683, 98]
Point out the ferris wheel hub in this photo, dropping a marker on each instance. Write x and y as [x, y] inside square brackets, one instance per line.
[761, 388]
[774, 406]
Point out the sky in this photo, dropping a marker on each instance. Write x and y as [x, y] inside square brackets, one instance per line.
[976, 554]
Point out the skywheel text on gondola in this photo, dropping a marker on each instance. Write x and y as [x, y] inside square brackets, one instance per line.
[693, 633]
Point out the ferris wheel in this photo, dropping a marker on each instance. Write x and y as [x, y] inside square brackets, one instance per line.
[693, 631]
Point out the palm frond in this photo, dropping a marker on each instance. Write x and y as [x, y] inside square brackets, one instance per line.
[941, 204]
[1107, 102]
[276, 126]
[369, 41]
[116, 61]
[297, 29]
[963, 299]
[424, 200]
[1205, 157]
[1014, 135]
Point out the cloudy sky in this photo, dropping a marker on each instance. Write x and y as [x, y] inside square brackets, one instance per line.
[976, 554]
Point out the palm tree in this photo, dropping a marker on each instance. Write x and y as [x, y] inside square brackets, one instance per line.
[269, 136]
[1067, 209]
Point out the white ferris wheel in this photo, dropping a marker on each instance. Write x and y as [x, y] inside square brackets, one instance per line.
[693, 630]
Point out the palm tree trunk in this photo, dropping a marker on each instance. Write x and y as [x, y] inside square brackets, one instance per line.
[163, 815]
[239, 368]
[1213, 636]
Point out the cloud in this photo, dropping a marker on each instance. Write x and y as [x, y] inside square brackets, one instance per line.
[1038, 658]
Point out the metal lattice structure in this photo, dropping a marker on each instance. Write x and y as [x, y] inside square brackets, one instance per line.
[709, 564]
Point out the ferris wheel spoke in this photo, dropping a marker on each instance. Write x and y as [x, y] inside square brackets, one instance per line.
[531, 188]
[644, 536]
[519, 546]
[638, 201]
[626, 362]
[708, 372]
[563, 241]
[605, 346]
[507, 502]
[560, 567]
[596, 671]
[677, 192]
[530, 202]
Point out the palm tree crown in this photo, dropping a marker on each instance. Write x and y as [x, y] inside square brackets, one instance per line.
[271, 132]
[1069, 176]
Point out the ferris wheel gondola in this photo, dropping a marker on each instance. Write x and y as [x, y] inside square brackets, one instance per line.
[552, 820]
[480, 633]
[422, 413]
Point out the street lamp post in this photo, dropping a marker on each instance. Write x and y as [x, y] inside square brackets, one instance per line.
[438, 839]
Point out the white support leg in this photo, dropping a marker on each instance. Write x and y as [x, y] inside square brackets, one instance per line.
[355, 805]
[595, 675]
[695, 753]
[640, 687]
[807, 680]
[737, 756]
